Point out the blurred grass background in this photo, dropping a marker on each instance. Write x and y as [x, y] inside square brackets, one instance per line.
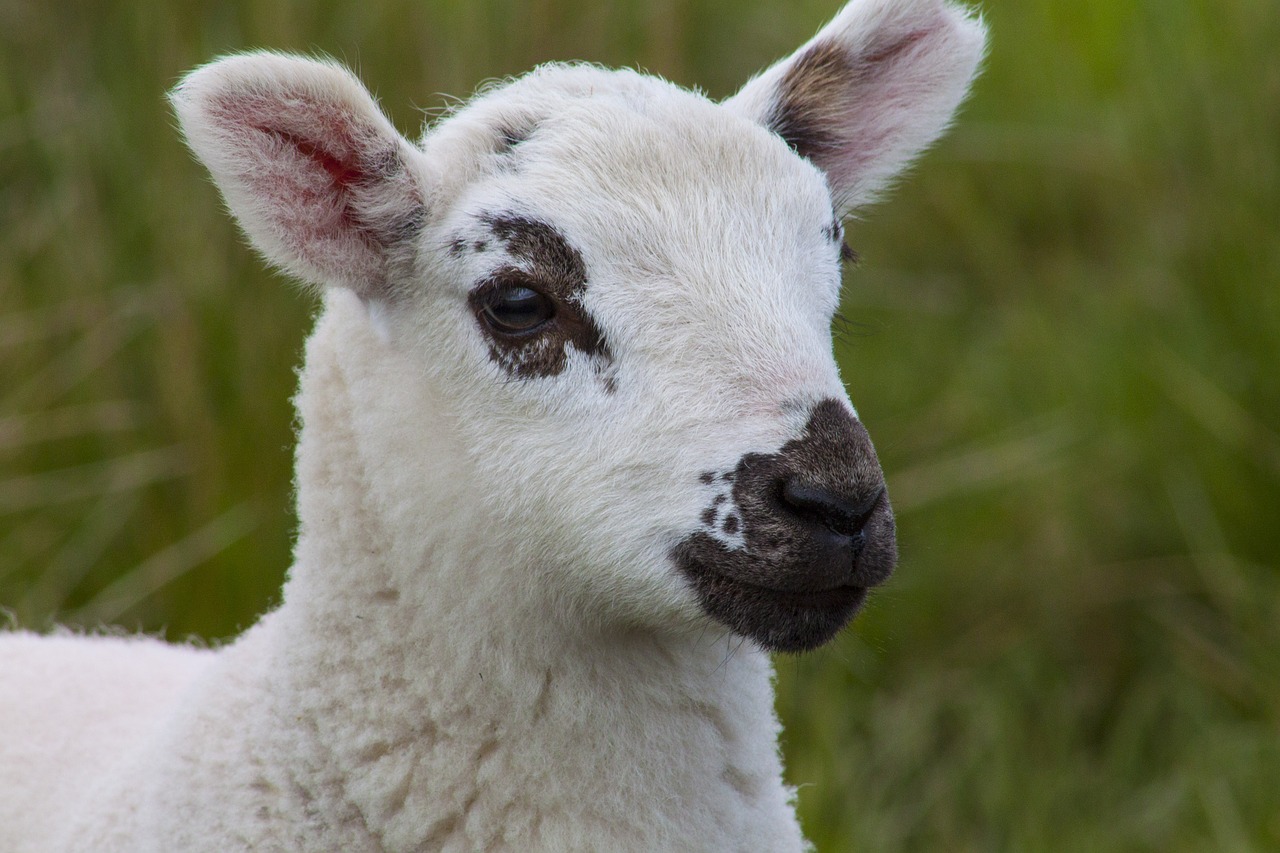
[1065, 340]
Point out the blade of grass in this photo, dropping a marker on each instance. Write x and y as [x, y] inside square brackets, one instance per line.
[18, 431]
[94, 350]
[137, 584]
[980, 468]
[91, 480]
[79, 554]
[22, 328]
[1215, 410]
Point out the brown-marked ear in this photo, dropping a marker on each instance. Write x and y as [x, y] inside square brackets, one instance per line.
[870, 91]
[318, 178]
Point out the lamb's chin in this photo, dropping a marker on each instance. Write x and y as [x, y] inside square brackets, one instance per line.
[778, 619]
[781, 621]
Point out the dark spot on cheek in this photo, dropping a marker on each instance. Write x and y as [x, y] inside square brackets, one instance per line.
[727, 476]
[457, 246]
[707, 477]
[730, 524]
[480, 245]
[719, 499]
[709, 517]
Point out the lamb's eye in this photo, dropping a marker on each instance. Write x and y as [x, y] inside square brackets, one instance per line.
[516, 310]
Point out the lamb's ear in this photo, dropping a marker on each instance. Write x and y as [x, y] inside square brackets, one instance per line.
[318, 178]
[870, 91]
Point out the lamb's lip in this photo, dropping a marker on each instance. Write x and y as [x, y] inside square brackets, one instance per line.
[815, 599]
[772, 600]
[779, 620]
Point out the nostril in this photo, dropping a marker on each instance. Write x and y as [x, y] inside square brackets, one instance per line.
[839, 513]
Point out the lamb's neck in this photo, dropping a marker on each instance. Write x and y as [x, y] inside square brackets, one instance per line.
[493, 741]
[461, 722]
[450, 706]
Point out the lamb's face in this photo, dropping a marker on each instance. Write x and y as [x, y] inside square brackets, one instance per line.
[633, 292]
[623, 294]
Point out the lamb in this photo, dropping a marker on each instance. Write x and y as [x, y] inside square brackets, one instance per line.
[574, 458]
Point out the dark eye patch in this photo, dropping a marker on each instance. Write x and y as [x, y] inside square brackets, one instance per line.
[549, 267]
[540, 245]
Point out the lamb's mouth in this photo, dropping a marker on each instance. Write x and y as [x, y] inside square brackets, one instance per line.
[780, 620]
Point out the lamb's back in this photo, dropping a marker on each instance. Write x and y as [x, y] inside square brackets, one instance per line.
[73, 710]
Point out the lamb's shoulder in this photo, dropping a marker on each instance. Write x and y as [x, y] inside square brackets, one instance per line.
[73, 708]
[224, 765]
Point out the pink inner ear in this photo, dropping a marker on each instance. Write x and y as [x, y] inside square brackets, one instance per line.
[344, 172]
[320, 131]
[308, 160]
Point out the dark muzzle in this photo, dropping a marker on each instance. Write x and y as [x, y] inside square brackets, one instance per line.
[817, 532]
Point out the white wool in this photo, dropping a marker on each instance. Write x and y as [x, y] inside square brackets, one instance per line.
[483, 644]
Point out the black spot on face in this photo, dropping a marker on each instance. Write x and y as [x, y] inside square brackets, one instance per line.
[480, 245]
[707, 477]
[545, 262]
[817, 532]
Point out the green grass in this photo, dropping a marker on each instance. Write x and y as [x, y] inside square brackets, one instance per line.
[1065, 340]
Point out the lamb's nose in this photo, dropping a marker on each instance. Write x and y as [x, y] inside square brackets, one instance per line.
[843, 517]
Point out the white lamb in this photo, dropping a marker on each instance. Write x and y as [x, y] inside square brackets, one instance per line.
[575, 456]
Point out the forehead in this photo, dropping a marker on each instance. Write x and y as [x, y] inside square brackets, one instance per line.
[604, 152]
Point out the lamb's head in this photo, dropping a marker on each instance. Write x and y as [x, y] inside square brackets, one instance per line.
[622, 292]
